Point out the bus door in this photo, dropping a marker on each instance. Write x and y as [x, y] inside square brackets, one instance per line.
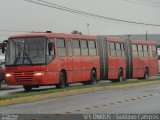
[112, 62]
[135, 61]
[77, 60]
[153, 61]
[70, 62]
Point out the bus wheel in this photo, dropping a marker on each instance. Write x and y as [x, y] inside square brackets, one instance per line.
[27, 88]
[93, 77]
[120, 76]
[146, 75]
[62, 80]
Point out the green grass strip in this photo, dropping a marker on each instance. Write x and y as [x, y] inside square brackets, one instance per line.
[54, 90]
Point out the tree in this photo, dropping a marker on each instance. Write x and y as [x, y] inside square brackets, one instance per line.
[76, 32]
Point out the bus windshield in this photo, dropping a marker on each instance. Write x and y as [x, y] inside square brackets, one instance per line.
[26, 51]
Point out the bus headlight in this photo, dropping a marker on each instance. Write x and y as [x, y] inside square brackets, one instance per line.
[39, 74]
[8, 75]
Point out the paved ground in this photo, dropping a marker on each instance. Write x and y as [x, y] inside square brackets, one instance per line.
[7, 90]
[144, 99]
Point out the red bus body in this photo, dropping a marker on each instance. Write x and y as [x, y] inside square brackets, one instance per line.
[77, 68]
[107, 56]
[145, 61]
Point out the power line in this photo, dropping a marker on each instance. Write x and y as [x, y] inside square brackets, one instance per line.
[4, 30]
[144, 3]
[63, 8]
[4, 35]
[149, 1]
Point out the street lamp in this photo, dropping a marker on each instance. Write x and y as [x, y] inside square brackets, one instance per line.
[88, 28]
[146, 35]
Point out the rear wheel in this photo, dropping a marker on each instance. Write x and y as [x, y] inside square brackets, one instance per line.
[27, 88]
[62, 80]
[120, 76]
[146, 74]
[93, 77]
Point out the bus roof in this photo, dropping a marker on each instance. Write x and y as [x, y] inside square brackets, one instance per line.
[57, 35]
[143, 42]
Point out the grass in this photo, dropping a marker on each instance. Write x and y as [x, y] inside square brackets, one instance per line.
[33, 93]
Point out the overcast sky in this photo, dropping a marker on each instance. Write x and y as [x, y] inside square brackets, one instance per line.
[21, 15]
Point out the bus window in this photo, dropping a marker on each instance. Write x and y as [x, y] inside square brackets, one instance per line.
[61, 47]
[145, 49]
[150, 51]
[112, 49]
[69, 48]
[84, 48]
[122, 49]
[50, 50]
[76, 47]
[154, 50]
[92, 47]
[140, 50]
[118, 49]
[134, 50]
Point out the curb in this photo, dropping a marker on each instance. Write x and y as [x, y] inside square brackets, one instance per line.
[72, 92]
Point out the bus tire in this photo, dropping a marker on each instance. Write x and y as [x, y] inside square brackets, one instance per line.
[146, 73]
[27, 88]
[62, 80]
[93, 77]
[120, 76]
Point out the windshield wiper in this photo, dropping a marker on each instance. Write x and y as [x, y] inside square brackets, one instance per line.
[17, 57]
[26, 58]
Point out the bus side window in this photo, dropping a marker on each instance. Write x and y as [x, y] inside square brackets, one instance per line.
[69, 48]
[145, 49]
[112, 49]
[76, 47]
[140, 50]
[154, 51]
[134, 50]
[92, 47]
[84, 47]
[118, 49]
[122, 49]
[150, 51]
[50, 49]
[61, 47]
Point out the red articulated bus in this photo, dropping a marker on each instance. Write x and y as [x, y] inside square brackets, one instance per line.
[38, 59]
[144, 60]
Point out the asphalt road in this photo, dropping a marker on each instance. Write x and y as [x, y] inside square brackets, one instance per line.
[144, 99]
[8, 90]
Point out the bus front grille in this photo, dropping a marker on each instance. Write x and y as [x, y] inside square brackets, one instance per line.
[23, 76]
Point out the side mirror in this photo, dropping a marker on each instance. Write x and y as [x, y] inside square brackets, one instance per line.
[4, 46]
[50, 46]
[3, 49]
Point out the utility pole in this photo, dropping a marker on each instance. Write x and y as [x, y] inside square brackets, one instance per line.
[88, 28]
[146, 35]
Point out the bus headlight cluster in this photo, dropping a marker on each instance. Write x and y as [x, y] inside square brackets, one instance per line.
[8, 75]
[39, 74]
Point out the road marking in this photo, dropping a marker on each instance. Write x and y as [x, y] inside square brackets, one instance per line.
[109, 105]
[68, 112]
[97, 106]
[112, 103]
[133, 99]
[104, 105]
[78, 110]
[35, 118]
[122, 101]
[125, 101]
